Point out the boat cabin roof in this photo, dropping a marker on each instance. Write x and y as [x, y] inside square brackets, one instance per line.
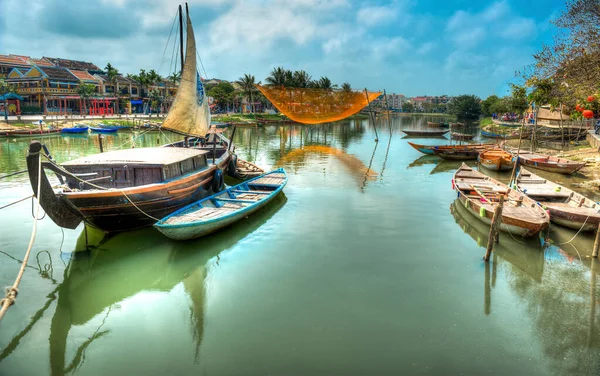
[139, 156]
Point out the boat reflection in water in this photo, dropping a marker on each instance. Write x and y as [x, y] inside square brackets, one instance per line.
[354, 165]
[127, 264]
[424, 160]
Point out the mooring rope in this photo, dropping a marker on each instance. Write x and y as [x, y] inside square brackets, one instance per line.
[137, 207]
[574, 236]
[12, 174]
[16, 202]
[12, 291]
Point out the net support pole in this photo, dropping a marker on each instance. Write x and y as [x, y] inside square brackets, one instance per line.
[387, 107]
[371, 115]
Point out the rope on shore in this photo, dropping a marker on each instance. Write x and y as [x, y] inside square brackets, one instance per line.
[12, 174]
[16, 202]
[12, 291]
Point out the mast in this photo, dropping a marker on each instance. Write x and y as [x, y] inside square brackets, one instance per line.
[181, 34]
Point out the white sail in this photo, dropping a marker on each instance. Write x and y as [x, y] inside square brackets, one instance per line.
[189, 113]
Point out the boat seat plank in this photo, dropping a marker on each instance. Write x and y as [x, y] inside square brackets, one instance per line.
[233, 200]
[254, 192]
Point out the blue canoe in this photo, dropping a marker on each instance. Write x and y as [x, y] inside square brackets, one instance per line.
[491, 134]
[74, 130]
[104, 130]
[224, 208]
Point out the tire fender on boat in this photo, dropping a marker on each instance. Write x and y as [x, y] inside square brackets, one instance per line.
[218, 181]
[232, 166]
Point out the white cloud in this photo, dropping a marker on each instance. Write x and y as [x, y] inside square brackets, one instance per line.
[496, 11]
[376, 15]
[425, 48]
[519, 28]
[469, 38]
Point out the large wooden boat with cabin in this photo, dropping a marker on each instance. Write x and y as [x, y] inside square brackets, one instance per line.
[496, 159]
[132, 188]
[480, 195]
[549, 163]
[429, 149]
[567, 208]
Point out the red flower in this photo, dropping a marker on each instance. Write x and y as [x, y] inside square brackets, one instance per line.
[588, 114]
[590, 98]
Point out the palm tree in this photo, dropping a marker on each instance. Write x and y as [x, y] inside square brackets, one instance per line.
[346, 87]
[301, 79]
[154, 79]
[325, 83]
[277, 77]
[111, 74]
[247, 83]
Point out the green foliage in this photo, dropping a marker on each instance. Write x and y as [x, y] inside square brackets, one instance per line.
[465, 107]
[488, 104]
[301, 79]
[31, 110]
[518, 102]
[223, 92]
[408, 107]
[346, 87]
[86, 90]
[247, 83]
[278, 77]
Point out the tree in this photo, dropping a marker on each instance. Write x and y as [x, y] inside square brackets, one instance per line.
[325, 83]
[112, 73]
[222, 93]
[488, 104]
[518, 99]
[278, 77]
[247, 83]
[5, 89]
[408, 107]
[346, 87]
[465, 107]
[301, 79]
[85, 91]
[175, 77]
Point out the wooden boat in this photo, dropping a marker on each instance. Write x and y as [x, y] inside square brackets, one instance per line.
[75, 130]
[511, 136]
[496, 159]
[567, 208]
[429, 149]
[127, 189]
[224, 208]
[29, 133]
[549, 163]
[457, 125]
[245, 170]
[104, 130]
[479, 194]
[458, 154]
[461, 136]
[425, 133]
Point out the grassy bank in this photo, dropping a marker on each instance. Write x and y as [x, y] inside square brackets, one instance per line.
[249, 118]
[485, 122]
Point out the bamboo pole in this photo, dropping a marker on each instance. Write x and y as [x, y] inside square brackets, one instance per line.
[494, 229]
[387, 107]
[372, 115]
[100, 143]
[596, 243]
[513, 175]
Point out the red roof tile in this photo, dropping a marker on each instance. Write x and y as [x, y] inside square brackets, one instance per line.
[11, 60]
[83, 75]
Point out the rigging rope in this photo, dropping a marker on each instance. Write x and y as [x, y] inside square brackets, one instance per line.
[12, 291]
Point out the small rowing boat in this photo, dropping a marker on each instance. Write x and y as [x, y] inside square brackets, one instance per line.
[458, 154]
[245, 170]
[81, 129]
[549, 163]
[421, 133]
[104, 130]
[224, 208]
[567, 208]
[496, 159]
[30, 133]
[462, 136]
[437, 124]
[480, 195]
[429, 149]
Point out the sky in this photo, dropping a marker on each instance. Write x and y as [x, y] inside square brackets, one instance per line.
[407, 47]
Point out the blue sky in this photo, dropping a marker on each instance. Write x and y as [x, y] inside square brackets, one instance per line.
[411, 47]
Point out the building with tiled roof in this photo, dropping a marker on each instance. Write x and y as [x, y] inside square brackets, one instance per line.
[9, 62]
[84, 76]
[73, 64]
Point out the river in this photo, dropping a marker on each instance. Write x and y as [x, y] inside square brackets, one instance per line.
[363, 266]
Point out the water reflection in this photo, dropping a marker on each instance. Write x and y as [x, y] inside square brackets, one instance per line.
[120, 267]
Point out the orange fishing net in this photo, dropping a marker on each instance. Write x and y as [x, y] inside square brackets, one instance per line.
[313, 106]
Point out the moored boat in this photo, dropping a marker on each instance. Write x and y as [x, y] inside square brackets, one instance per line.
[104, 130]
[131, 188]
[245, 170]
[428, 149]
[480, 195]
[461, 136]
[80, 129]
[496, 159]
[423, 133]
[224, 208]
[549, 163]
[29, 133]
[458, 154]
[567, 208]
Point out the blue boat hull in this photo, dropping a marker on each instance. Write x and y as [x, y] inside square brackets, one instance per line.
[197, 228]
[104, 130]
[74, 130]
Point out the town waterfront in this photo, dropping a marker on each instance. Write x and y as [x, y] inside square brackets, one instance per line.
[363, 266]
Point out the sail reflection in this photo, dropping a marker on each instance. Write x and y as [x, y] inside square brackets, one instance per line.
[120, 267]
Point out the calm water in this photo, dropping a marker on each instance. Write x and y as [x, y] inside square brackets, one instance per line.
[365, 266]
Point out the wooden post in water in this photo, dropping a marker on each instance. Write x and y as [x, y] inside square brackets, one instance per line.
[387, 107]
[100, 142]
[372, 115]
[596, 243]
[494, 229]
